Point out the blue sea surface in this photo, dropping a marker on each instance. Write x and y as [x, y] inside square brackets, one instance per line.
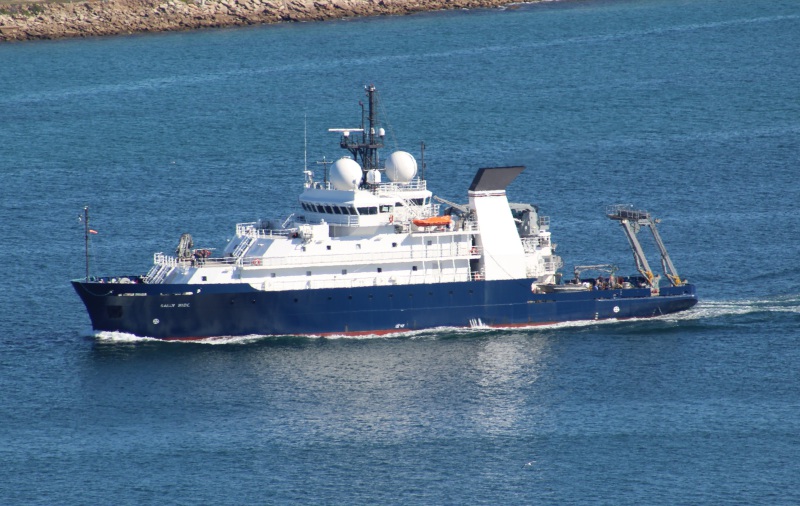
[687, 108]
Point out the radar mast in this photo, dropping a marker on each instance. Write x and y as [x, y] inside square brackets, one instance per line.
[365, 151]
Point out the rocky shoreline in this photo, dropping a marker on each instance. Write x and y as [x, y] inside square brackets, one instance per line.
[51, 20]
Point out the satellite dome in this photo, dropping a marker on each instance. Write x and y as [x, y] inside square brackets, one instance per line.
[345, 174]
[401, 167]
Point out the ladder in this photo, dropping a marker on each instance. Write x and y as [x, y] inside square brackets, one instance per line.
[157, 273]
[243, 246]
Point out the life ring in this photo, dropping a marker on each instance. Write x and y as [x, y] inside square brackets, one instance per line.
[473, 251]
[391, 218]
[256, 261]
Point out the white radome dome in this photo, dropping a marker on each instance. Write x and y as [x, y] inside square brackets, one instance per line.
[401, 167]
[345, 174]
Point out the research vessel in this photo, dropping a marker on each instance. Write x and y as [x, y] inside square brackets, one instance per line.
[373, 251]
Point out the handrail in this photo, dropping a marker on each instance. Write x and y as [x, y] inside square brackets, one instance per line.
[445, 252]
[448, 252]
[391, 187]
[251, 229]
[276, 284]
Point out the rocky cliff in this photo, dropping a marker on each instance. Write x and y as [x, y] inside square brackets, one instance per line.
[110, 17]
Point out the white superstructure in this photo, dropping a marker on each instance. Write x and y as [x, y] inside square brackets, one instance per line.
[367, 224]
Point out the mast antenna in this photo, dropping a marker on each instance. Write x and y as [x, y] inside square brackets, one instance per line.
[86, 237]
[305, 142]
[325, 164]
[422, 160]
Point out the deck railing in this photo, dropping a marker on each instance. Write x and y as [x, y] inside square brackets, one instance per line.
[162, 262]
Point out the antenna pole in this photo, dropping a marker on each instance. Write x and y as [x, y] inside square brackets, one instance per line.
[86, 237]
[422, 159]
[305, 142]
[371, 150]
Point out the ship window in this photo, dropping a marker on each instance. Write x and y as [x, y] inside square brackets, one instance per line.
[337, 210]
[204, 278]
[344, 272]
[430, 242]
[394, 245]
[380, 270]
[328, 210]
[329, 247]
[413, 267]
[351, 210]
[320, 209]
[358, 246]
[308, 273]
[386, 209]
[398, 204]
[363, 210]
[272, 275]
[373, 210]
[114, 311]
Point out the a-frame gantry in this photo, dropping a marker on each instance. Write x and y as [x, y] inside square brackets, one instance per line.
[632, 221]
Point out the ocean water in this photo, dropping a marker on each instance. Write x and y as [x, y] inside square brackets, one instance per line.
[688, 108]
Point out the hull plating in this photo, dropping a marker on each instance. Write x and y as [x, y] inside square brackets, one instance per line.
[198, 311]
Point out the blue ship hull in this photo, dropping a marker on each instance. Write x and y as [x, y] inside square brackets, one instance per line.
[169, 311]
